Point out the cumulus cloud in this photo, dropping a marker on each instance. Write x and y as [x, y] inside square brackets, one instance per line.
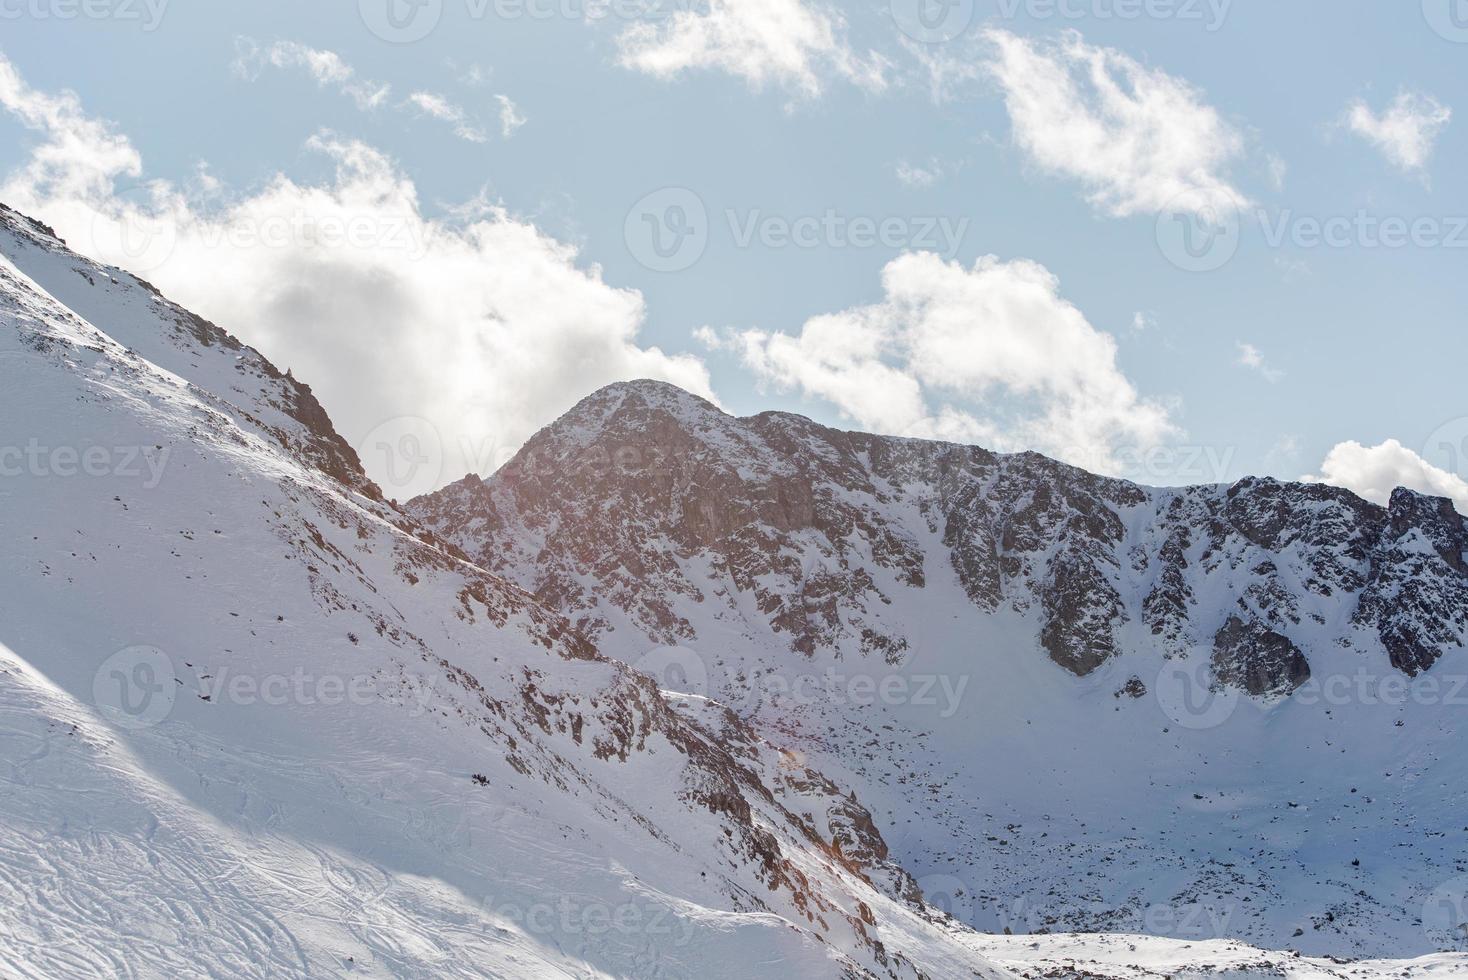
[326, 67]
[1252, 358]
[480, 325]
[1006, 361]
[1373, 472]
[790, 43]
[1405, 132]
[1139, 140]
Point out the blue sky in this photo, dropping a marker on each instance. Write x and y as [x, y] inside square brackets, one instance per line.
[969, 229]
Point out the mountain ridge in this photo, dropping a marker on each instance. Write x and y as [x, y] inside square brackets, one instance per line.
[1362, 548]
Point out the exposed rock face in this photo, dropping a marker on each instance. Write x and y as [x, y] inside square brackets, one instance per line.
[1417, 594]
[1256, 658]
[645, 502]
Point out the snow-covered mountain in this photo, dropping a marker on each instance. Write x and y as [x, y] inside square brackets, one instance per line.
[1071, 702]
[254, 724]
[255, 720]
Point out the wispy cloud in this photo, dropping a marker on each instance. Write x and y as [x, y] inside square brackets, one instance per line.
[510, 117]
[443, 110]
[1252, 358]
[1139, 140]
[919, 175]
[1406, 132]
[332, 71]
[326, 67]
[790, 43]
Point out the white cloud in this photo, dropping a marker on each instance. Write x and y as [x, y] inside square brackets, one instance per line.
[476, 75]
[330, 70]
[1008, 362]
[79, 156]
[510, 117]
[790, 43]
[1139, 140]
[445, 111]
[481, 324]
[1406, 132]
[1374, 472]
[326, 67]
[919, 175]
[1252, 358]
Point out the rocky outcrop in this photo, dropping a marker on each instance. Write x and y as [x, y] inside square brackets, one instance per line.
[1417, 594]
[1254, 657]
[648, 505]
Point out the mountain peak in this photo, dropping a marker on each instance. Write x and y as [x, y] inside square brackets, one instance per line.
[644, 392]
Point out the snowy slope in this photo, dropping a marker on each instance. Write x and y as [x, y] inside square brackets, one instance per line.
[253, 724]
[255, 721]
[1071, 703]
